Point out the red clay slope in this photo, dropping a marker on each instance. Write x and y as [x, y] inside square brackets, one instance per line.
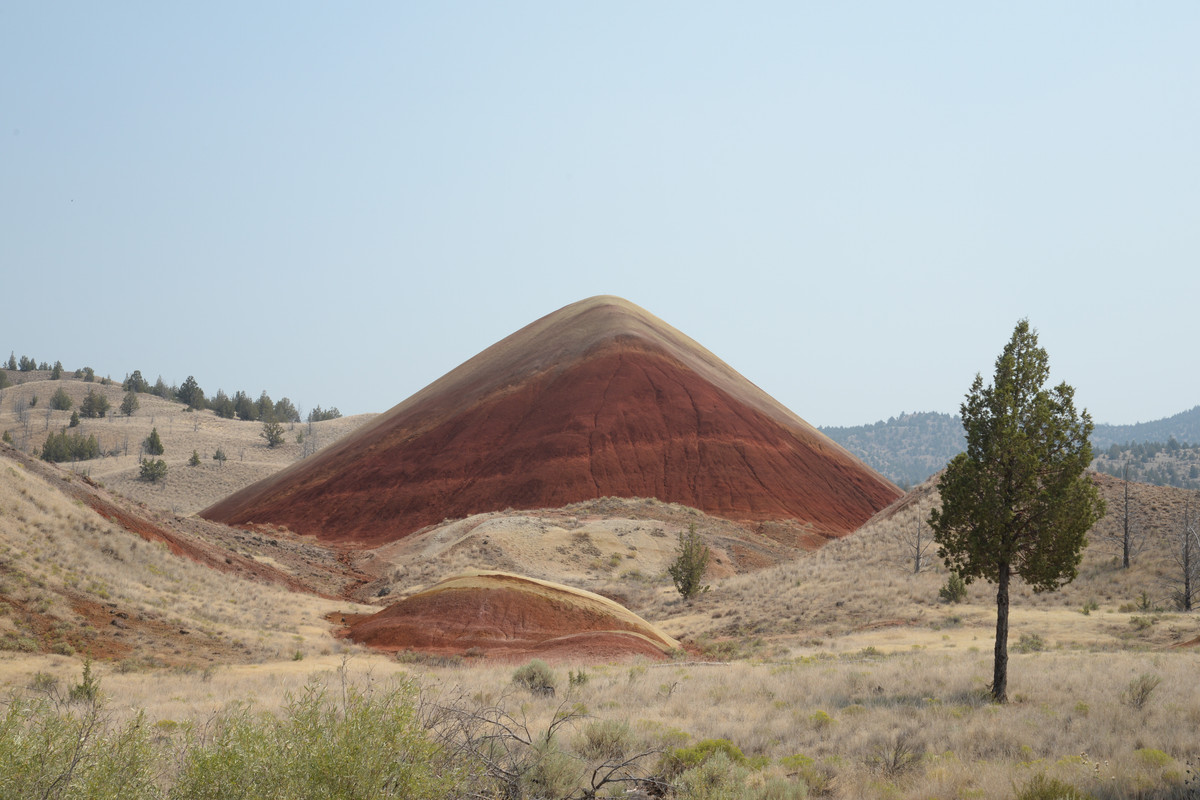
[511, 615]
[597, 399]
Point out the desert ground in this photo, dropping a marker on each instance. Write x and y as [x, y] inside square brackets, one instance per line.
[834, 672]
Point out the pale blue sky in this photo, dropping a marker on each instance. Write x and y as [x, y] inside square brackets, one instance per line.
[852, 204]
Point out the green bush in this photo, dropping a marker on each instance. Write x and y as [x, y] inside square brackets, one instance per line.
[691, 562]
[319, 414]
[94, 405]
[153, 444]
[152, 470]
[716, 778]
[1030, 643]
[194, 461]
[605, 740]
[955, 590]
[537, 677]
[1042, 788]
[129, 403]
[367, 746]
[60, 400]
[63, 446]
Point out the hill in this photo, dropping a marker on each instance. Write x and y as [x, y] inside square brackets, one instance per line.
[909, 448]
[597, 399]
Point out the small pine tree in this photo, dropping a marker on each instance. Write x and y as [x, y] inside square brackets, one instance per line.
[152, 470]
[130, 403]
[153, 444]
[60, 400]
[94, 405]
[220, 457]
[74, 420]
[57, 371]
[690, 564]
[272, 431]
[194, 461]
[12, 360]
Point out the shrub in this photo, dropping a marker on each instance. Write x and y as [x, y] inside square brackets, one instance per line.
[955, 590]
[272, 432]
[319, 414]
[94, 405]
[153, 444]
[60, 400]
[537, 677]
[1030, 643]
[220, 457]
[1042, 788]
[369, 745]
[680, 759]
[152, 470]
[74, 422]
[194, 461]
[129, 404]
[717, 778]
[691, 562]
[605, 740]
[1139, 691]
[63, 446]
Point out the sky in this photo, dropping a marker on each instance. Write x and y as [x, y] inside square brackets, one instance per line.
[852, 204]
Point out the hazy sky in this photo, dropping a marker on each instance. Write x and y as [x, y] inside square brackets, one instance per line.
[850, 203]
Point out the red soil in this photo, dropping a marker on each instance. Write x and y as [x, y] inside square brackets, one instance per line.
[506, 615]
[598, 399]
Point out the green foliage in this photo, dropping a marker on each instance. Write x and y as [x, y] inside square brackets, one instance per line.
[129, 403]
[605, 740]
[194, 461]
[1017, 501]
[244, 407]
[7, 437]
[88, 688]
[60, 400]
[55, 754]
[222, 405]
[94, 405]
[272, 432]
[537, 677]
[716, 778]
[12, 361]
[136, 383]
[284, 411]
[365, 747]
[955, 590]
[56, 371]
[691, 562]
[4, 381]
[219, 456]
[161, 389]
[153, 443]
[152, 470]
[190, 394]
[74, 422]
[63, 446]
[27, 364]
[89, 375]
[1040, 787]
[680, 759]
[319, 414]
[1030, 643]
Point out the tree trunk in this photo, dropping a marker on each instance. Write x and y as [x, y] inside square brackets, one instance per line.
[1000, 671]
[1125, 538]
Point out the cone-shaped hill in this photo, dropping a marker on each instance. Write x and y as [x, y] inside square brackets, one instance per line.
[599, 398]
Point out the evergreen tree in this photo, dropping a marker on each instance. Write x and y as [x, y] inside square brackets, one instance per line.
[245, 408]
[60, 400]
[190, 394]
[194, 461]
[27, 364]
[1017, 502]
[12, 360]
[285, 411]
[272, 431]
[94, 405]
[691, 562]
[153, 444]
[57, 371]
[136, 383]
[222, 406]
[130, 403]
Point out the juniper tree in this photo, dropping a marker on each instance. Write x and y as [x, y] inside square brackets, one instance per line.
[1017, 501]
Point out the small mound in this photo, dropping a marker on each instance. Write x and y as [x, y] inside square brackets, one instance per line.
[510, 615]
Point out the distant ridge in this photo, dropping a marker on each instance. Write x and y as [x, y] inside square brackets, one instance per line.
[599, 398]
[908, 448]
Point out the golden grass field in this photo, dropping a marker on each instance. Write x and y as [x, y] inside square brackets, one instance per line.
[842, 656]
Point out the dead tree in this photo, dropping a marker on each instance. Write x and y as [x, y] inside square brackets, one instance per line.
[916, 542]
[1186, 583]
[1131, 538]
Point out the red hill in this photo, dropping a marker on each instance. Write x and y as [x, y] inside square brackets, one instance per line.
[598, 399]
